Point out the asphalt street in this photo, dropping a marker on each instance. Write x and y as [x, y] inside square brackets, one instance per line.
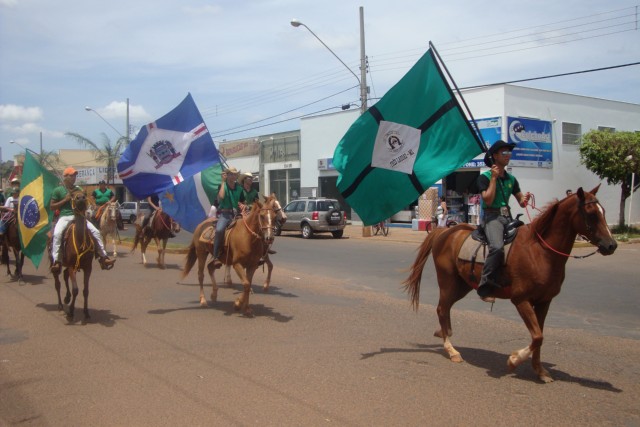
[323, 347]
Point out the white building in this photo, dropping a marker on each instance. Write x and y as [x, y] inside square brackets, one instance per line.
[546, 125]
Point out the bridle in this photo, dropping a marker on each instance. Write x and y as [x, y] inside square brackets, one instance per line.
[263, 228]
[583, 213]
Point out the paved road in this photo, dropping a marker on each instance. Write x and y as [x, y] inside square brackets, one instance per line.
[320, 350]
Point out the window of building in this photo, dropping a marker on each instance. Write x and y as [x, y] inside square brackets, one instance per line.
[285, 183]
[571, 133]
[606, 129]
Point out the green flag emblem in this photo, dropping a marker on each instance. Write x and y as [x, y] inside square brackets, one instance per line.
[415, 135]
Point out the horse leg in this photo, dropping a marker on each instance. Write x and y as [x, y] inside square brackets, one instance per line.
[214, 286]
[144, 242]
[56, 279]
[528, 314]
[242, 303]
[452, 291]
[202, 258]
[160, 246]
[85, 291]
[67, 297]
[115, 248]
[267, 281]
[74, 282]
[227, 276]
[541, 314]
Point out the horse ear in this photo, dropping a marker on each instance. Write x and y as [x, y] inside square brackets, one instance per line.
[595, 190]
[580, 194]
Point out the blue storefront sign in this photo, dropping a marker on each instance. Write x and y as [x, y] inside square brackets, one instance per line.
[491, 131]
[533, 139]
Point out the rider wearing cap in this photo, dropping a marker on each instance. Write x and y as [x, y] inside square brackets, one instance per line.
[61, 200]
[496, 187]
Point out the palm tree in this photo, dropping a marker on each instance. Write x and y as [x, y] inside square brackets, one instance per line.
[108, 153]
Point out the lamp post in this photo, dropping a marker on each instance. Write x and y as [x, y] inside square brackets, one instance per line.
[104, 120]
[362, 80]
[629, 158]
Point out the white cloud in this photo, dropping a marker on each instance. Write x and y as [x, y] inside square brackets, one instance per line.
[118, 110]
[17, 113]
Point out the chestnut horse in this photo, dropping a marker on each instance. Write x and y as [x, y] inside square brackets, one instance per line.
[281, 218]
[245, 243]
[77, 253]
[534, 271]
[108, 224]
[11, 241]
[160, 228]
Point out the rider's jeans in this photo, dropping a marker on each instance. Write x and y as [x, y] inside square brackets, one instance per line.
[224, 220]
[494, 225]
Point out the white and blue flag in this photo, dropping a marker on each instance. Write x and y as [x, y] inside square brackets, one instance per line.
[168, 151]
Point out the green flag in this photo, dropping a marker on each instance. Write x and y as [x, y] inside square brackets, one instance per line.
[415, 135]
[34, 215]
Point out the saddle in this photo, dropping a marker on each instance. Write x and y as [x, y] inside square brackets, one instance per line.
[470, 250]
[209, 232]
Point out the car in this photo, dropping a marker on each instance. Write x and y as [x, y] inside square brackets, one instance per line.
[312, 215]
[131, 211]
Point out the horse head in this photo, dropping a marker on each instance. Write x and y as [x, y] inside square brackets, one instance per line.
[267, 214]
[281, 216]
[590, 222]
[112, 211]
[79, 203]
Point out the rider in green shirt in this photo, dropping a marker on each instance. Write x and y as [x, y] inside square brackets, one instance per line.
[230, 194]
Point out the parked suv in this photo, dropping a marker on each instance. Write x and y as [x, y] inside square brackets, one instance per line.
[131, 211]
[314, 215]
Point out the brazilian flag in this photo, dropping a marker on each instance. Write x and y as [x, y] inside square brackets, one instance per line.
[414, 136]
[34, 214]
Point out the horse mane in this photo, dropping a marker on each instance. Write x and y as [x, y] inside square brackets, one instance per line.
[542, 222]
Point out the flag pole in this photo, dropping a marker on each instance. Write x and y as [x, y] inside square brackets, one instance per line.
[53, 170]
[466, 107]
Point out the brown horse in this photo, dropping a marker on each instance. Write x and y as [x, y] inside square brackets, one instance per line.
[11, 240]
[108, 224]
[77, 250]
[160, 228]
[534, 272]
[245, 243]
[281, 218]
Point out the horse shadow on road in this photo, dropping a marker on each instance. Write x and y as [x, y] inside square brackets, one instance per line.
[227, 309]
[99, 317]
[494, 363]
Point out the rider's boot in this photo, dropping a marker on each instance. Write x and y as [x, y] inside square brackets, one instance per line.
[489, 282]
[271, 252]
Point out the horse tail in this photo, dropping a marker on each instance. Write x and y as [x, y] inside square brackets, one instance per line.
[412, 284]
[137, 238]
[190, 260]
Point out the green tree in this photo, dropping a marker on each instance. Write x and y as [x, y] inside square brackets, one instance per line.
[607, 154]
[108, 152]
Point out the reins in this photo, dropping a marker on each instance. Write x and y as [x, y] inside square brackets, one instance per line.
[245, 215]
[548, 246]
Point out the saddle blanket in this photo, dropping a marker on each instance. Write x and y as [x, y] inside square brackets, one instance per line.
[472, 248]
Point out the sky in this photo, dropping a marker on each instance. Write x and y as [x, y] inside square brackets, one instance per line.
[252, 73]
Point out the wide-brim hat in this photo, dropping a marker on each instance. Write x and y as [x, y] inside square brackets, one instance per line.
[244, 176]
[231, 170]
[498, 145]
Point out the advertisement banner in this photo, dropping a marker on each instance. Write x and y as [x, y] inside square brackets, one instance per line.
[533, 139]
[92, 176]
[245, 148]
[491, 131]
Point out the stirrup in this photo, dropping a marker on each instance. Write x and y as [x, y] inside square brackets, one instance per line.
[217, 263]
[271, 252]
[106, 263]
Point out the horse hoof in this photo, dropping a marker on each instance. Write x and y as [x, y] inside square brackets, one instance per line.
[545, 378]
[60, 307]
[438, 333]
[456, 358]
[67, 299]
[265, 288]
[512, 362]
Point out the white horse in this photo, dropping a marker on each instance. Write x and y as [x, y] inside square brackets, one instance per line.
[281, 218]
[109, 225]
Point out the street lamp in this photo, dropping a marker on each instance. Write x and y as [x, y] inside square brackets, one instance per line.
[362, 80]
[20, 145]
[104, 120]
[629, 158]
